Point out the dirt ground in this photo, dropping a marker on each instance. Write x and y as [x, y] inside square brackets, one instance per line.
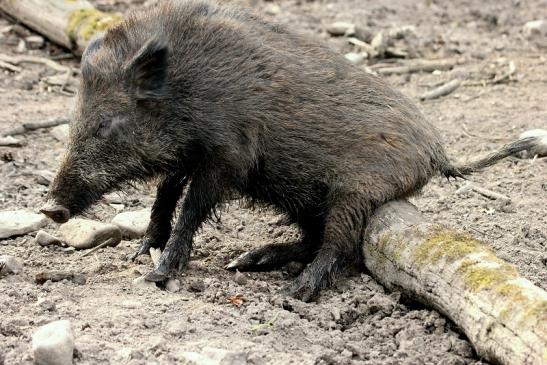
[357, 321]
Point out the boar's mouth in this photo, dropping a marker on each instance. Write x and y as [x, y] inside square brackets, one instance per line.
[56, 212]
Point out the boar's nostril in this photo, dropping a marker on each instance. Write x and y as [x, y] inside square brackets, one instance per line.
[57, 213]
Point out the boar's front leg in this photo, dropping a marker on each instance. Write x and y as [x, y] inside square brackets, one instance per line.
[204, 193]
[168, 193]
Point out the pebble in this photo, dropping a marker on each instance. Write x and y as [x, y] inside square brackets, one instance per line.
[46, 304]
[35, 41]
[44, 177]
[535, 28]
[53, 344]
[10, 265]
[356, 57]
[240, 278]
[133, 224]
[272, 9]
[540, 149]
[341, 28]
[141, 283]
[85, 233]
[172, 285]
[20, 222]
[214, 356]
[45, 239]
[60, 132]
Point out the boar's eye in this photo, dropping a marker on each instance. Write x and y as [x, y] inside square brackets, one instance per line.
[103, 127]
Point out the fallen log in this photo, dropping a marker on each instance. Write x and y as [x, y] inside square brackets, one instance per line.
[503, 315]
[71, 24]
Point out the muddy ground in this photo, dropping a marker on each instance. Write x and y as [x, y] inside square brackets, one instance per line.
[357, 321]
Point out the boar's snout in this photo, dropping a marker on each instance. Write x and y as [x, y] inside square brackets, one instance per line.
[56, 212]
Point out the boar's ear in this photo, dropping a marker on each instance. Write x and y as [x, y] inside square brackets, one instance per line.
[147, 70]
[92, 47]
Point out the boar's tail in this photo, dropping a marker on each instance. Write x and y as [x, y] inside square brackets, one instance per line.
[510, 149]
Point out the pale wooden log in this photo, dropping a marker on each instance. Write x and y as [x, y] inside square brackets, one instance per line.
[503, 315]
[69, 23]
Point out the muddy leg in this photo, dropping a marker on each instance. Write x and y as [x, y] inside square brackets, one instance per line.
[168, 193]
[341, 240]
[202, 197]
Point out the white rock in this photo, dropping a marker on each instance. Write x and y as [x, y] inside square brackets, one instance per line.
[341, 28]
[133, 224]
[85, 233]
[35, 41]
[141, 283]
[45, 239]
[53, 344]
[535, 28]
[272, 9]
[60, 132]
[356, 57]
[172, 285]
[540, 148]
[10, 265]
[19, 222]
[214, 356]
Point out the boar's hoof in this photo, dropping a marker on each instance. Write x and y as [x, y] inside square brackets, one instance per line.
[157, 276]
[302, 290]
[144, 249]
[57, 213]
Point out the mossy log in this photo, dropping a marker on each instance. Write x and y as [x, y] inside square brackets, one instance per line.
[503, 315]
[69, 23]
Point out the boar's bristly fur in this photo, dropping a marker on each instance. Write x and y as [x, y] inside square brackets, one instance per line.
[210, 95]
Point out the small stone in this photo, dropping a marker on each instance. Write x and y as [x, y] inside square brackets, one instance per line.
[363, 33]
[197, 286]
[45, 239]
[35, 41]
[214, 356]
[10, 265]
[172, 285]
[535, 28]
[272, 9]
[341, 28]
[44, 177]
[85, 233]
[21, 47]
[20, 222]
[53, 344]
[46, 304]
[356, 57]
[240, 278]
[141, 283]
[540, 148]
[60, 132]
[113, 198]
[133, 224]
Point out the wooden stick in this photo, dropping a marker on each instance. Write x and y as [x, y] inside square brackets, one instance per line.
[9, 66]
[71, 24]
[503, 315]
[442, 90]
[25, 127]
[17, 60]
[108, 242]
[419, 66]
[9, 142]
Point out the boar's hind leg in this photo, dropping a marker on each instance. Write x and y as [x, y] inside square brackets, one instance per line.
[275, 255]
[203, 195]
[341, 237]
[168, 193]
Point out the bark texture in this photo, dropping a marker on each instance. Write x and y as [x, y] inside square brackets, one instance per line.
[503, 315]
